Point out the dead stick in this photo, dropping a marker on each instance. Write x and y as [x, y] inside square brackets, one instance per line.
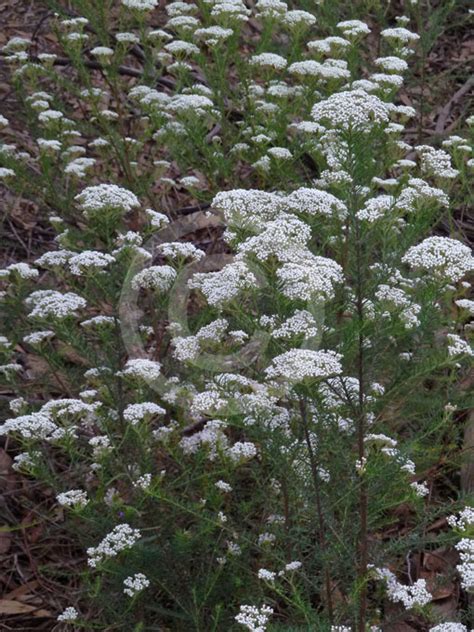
[445, 112]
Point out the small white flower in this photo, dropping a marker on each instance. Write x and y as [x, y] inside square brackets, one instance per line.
[242, 451]
[140, 5]
[121, 537]
[103, 197]
[457, 346]
[142, 368]
[266, 575]
[268, 60]
[73, 498]
[353, 28]
[158, 278]
[143, 482]
[253, 618]
[421, 489]
[89, 261]
[299, 364]
[68, 615]
[47, 304]
[134, 413]
[135, 584]
[443, 257]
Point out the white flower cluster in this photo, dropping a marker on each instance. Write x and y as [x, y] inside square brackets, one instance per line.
[266, 575]
[33, 426]
[142, 368]
[248, 208]
[223, 486]
[376, 208]
[51, 304]
[23, 270]
[315, 202]
[6, 173]
[157, 220]
[135, 413]
[457, 346]
[207, 402]
[330, 69]
[10, 368]
[253, 618]
[309, 277]
[297, 365]
[89, 261]
[465, 548]
[211, 436]
[467, 304]
[242, 451]
[302, 323]
[229, 10]
[443, 257]
[436, 162]
[266, 539]
[328, 45]
[282, 236]
[68, 615]
[160, 278]
[140, 5]
[62, 408]
[449, 627]
[135, 584]
[417, 193]
[392, 64]
[54, 258]
[122, 537]
[186, 348]
[181, 48]
[24, 460]
[268, 60]
[98, 322]
[224, 285]
[213, 331]
[463, 521]
[271, 8]
[354, 109]
[176, 250]
[420, 489]
[79, 166]
[103, 197]
[190, 104]
[353, 28]
[415, 595]
[73, 498]
[398, 299]
[400, 35]
[297, 19]
[380, 440]
[213, 35]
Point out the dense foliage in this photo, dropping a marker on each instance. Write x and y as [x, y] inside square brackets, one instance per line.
[241, 401]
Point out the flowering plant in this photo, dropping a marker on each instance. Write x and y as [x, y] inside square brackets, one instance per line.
[240, 394]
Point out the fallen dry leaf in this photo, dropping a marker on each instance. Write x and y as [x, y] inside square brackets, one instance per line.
[7, 606]
[19, 591]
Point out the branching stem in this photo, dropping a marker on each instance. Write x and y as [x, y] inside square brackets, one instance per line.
[319, 509]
